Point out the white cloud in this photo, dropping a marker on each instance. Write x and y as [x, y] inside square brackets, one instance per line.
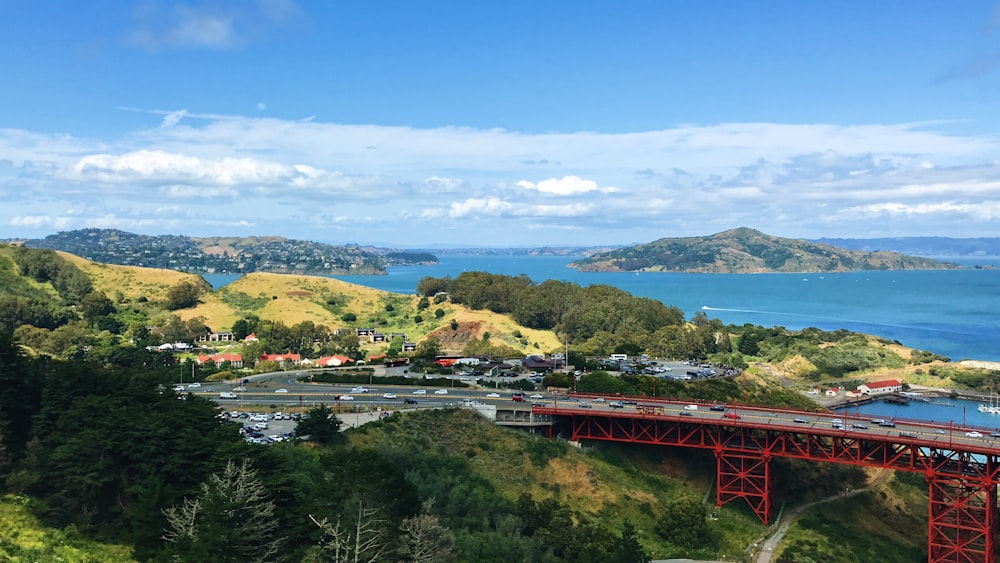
[173, 118]
[31, 221]
[160, 166]
[897, 208]
[293, 176]
[219, 25]
[567, 185]
[478, 206]
[261, 106]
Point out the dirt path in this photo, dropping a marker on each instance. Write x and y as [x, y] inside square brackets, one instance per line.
[767, 550]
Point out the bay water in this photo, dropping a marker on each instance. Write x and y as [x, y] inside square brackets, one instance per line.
[949, 312]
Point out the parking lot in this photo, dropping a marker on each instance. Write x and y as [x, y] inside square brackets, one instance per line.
[261, 427]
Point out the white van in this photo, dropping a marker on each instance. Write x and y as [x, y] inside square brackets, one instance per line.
[619, 357]
[227, 395]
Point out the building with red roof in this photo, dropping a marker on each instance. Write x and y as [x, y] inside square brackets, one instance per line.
[881, 387]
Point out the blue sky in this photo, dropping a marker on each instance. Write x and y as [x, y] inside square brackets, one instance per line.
[502, 123]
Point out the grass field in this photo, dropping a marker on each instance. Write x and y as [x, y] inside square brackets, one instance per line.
[24, 539]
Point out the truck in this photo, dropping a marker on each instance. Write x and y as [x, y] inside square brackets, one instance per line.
[227, 395]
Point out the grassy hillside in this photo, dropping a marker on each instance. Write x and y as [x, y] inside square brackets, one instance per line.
[132, 281]
[292, 299]
[24, 539]
[604, 482]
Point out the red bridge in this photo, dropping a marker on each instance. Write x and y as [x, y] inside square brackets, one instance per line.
[961, 464]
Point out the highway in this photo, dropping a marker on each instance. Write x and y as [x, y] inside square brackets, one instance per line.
[839, 424]
[262, 390]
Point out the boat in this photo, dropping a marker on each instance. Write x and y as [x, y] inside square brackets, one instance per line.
[993, 407]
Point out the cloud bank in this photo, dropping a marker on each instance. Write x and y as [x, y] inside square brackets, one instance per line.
[203, 174]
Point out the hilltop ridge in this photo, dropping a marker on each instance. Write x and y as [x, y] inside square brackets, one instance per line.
[744, 250]
[273, 254]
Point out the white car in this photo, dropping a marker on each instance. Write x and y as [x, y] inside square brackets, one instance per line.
[535, 396]
[441, 392]
[974, 434]
[281, 390]
[179, 389]
[239, 389]
[194, 385]
[388, 395]
[359, 390]
[691, 407]
[346, 398]
[493, 395]
[420, 392]
[598, 400]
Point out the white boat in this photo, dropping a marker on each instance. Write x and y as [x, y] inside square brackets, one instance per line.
[992, 408]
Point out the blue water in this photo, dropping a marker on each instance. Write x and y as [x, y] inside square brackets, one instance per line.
[952, 313]
[959, 412]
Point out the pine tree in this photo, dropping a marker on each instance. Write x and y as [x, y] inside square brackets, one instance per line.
[232, 519]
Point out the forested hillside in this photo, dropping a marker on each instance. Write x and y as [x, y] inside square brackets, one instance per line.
[740, 251]
[226, 254]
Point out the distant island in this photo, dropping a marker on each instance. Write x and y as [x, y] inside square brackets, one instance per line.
[240, 255]
[745, 251]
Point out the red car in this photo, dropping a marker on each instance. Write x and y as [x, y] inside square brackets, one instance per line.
[518, 398]
[732, 415]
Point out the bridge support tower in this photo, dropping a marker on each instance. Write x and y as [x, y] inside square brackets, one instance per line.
[962, 520]
[745, 476]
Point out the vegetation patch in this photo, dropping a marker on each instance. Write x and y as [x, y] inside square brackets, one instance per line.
[24, 538]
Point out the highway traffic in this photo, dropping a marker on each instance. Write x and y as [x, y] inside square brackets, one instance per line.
[285, 389]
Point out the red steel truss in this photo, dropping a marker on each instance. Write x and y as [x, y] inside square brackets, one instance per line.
[747, 477]
[962, 520]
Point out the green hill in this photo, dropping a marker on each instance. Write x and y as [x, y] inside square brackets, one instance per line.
[747, 251]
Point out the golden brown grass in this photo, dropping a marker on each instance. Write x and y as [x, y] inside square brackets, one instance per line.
[132, 281]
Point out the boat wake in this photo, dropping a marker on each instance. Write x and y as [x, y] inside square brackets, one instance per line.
[831, 319]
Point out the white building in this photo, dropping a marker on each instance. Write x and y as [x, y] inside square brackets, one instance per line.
[880, 387]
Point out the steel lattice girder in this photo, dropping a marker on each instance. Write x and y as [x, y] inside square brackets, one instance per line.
[747, 477]
[849, 449]
[962, 521]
